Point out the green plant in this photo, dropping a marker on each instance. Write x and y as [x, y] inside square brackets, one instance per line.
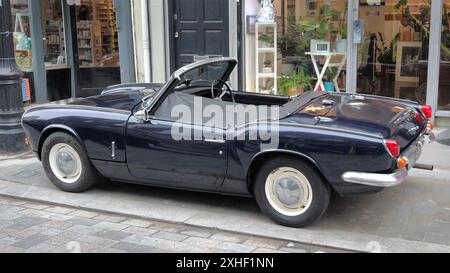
[322, 26]
[330, 74]
[446, 34]
[342, 23]
[266, 39]
[419, 22]
[296, 80]
[291, 40]
[388, 55]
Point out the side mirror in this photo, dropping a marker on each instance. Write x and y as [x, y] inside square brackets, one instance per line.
[141, 115]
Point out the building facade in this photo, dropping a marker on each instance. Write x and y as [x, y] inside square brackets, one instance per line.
[400, 49]
[390, 48]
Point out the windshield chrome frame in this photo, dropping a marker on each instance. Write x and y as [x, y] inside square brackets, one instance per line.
[177, 75]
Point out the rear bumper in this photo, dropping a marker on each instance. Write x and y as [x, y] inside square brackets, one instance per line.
[376, 179]
[412, 154]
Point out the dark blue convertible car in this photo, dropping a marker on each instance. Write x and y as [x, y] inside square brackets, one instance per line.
[175, 135]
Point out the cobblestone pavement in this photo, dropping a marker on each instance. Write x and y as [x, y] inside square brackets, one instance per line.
[33, 227]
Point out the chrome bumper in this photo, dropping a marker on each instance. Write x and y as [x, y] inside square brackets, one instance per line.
[376, 179]
[393, 179]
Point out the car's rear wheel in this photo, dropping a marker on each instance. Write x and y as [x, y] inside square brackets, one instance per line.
[67, 165]
[291, 192]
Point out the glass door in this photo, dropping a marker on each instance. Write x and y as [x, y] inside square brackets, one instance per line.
[393, 55]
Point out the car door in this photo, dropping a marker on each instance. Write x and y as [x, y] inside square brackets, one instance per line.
[155, 156]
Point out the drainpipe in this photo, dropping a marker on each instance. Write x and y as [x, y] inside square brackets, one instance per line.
[146, 40]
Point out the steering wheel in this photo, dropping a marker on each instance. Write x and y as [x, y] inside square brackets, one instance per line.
[224, 92]
[186, 82]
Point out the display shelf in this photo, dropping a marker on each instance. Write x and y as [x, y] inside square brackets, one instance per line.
[265, 53]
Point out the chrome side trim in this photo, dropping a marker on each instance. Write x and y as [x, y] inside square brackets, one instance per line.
[215, 141]
[113, 150]
[375, 179]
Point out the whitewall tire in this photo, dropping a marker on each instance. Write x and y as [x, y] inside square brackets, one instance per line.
[291, 192]
[67, 165]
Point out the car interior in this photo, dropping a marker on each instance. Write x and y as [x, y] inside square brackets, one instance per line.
[206, 82]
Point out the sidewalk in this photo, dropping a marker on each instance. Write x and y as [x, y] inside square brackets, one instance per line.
[414, 217]
[29, 227]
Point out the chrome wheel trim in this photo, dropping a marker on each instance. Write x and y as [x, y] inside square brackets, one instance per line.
[289, 191]
[65, 163]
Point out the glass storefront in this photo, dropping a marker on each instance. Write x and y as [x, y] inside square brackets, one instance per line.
[79, 55]
[311, 39]
[97, 34]
[444, 80]
[53, 33]
[22, 45]
[22, 36]
[98, 46]
[393, 56]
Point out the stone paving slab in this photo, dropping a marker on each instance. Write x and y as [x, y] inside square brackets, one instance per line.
[66, 236]
[413, 217]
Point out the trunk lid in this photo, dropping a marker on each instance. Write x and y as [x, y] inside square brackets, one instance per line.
[392, 119]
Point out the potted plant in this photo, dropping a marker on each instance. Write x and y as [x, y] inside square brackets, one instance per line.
[288, 44]
[296, 84]
[323, 27]
[266, 41]
[341, 42]
[329, 77]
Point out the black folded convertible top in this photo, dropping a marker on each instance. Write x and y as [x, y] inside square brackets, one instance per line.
[299, 102]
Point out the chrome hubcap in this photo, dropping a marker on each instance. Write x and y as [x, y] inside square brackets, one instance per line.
[65, 163]
[288, 191]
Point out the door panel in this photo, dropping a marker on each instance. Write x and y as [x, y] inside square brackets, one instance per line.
[202, 29]
[154, 155]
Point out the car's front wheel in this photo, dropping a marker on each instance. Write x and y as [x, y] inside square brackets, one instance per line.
[67, 165]
[291, 192]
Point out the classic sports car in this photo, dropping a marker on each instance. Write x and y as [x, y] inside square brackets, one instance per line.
[350, 144]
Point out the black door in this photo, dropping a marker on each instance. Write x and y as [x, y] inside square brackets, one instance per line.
[200, 29]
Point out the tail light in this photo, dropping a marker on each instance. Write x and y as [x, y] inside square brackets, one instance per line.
[419, 118]
[393, 147]
[427, 111]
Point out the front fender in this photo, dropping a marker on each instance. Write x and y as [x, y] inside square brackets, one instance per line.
[52, 129]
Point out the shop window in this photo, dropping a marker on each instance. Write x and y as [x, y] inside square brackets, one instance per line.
[22, 46]
[444, 79]
[305, 30]
[393, 55]
[53, 33]
[22, 37]
[97, 34]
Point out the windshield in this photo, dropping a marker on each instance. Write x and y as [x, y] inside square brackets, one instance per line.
[200, 74]
[204, 75]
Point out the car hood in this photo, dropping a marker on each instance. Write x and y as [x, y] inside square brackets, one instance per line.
[119, 99]
[378, 116]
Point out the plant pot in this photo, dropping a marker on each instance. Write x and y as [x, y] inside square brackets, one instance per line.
[295, 91]
[329, 86]
[264, 44]
[286, 69]
[341, 46]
